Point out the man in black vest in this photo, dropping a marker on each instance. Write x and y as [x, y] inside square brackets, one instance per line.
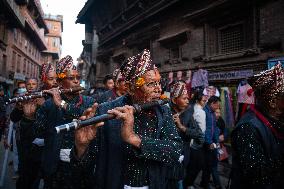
[258, 139]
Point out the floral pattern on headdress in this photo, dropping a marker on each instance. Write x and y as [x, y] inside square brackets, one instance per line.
[63, 66]
[178, 89]
[140, 82]
[269, 83]
[136, 66]
[45, 69]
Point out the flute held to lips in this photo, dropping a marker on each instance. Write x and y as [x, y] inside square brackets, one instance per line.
[79, 124]
[42, 94]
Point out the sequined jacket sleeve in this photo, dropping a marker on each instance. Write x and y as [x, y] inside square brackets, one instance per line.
[72, 111]
[255, 165]
[83, 167]
[41, 118]
[167, 148]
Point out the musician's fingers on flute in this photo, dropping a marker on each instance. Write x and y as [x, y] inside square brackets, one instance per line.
[129, 108]
[119, 114]
[122, 112]
[90, 112]
[175, 116]
[125, 109]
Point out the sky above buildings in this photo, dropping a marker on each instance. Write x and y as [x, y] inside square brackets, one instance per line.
[73, 34]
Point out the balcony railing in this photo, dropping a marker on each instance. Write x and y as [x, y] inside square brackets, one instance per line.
[133, 15]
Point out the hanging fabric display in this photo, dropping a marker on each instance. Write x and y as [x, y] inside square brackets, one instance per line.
[245, 98]
[227, 107]
[211, 91]
[188, 82]
[200, 79]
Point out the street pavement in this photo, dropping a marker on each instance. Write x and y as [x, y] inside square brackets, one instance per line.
[10, 183]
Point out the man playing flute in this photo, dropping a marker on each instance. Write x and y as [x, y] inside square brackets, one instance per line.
[60, 109]
[132, 150]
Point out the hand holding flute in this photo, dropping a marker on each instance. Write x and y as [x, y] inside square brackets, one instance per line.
[53, 92]
[85, 135]
[126, 114]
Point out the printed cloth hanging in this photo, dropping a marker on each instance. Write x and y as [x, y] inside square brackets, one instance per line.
[245, 94]
[200, 78]
[227, 107]
[211, 91]
[188, 82]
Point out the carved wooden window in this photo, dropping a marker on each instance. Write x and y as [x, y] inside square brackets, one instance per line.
[175, 52]
[231, 38]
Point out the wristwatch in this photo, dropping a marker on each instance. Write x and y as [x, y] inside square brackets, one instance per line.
[62, 103]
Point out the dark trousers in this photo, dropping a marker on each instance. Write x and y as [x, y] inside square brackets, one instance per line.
[215, 173]
[29, 167]
[196, 164]
[1, 133]
[61, 179]
[210, 157]
[172, 184]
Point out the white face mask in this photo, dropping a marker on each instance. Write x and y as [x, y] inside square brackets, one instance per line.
[22, 91]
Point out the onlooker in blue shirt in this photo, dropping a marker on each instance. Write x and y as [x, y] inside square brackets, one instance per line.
[211, 139]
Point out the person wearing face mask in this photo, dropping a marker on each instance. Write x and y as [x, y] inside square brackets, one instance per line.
[258, 138]
[24, 113]
[132, 150]
[31, 146]
[188, 129]
[59, 109]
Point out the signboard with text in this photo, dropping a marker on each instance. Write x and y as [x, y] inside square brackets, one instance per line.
[239, 74]
[271, 62]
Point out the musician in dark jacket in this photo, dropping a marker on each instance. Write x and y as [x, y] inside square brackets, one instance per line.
[132, 150]
[29, 146]
[118, 90]
[258, 139]
[24, 113]
[60, 109]
[187, 129]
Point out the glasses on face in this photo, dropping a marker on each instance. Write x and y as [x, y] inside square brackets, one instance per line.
[72, 78]
[153, 84]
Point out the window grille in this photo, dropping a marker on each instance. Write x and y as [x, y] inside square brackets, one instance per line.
[231, 39]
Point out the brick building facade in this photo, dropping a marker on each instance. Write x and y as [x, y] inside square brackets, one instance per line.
[229, 38]
[53, 38]
[22, 40]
